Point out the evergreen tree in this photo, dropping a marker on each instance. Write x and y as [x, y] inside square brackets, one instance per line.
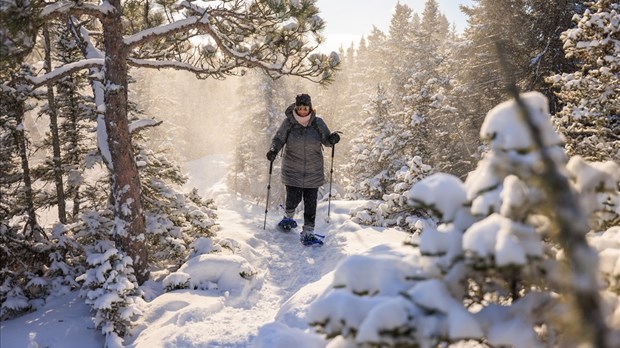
[375, 157]
[491, 23]
[434, 131]
[401, 49]
[590, 117]
[72, 122]
[26, 246]
[547, 20]
[372, 68]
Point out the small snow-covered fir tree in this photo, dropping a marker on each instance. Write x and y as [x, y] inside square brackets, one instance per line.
[590, 118]
[393, 208]
[374, 158]
[494, 270]
[108, 285]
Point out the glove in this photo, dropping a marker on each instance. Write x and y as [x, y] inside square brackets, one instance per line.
[334, 138]
[271, 155]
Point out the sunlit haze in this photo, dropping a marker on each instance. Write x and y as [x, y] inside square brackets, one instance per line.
[349, 20]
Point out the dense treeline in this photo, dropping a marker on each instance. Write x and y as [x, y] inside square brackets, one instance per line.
[422, 89]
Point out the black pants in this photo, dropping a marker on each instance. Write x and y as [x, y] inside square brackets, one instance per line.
[293, 198]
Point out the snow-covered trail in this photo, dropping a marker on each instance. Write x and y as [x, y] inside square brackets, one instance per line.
[284, 267]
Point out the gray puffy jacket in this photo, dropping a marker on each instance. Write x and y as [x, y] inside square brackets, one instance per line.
[302, 165]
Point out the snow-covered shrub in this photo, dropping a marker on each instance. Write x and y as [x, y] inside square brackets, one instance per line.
[107, 287]
[65, 261]
[108, 283]
[176, 280]
[607, 244]
[493, 271]
[392, 209]
[231, 274]
[32, 268]
[597, 185]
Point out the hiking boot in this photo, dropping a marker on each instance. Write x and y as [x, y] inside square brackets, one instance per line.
[309, 239]
[287, 224]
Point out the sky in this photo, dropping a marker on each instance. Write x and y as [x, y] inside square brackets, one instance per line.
[348, 20]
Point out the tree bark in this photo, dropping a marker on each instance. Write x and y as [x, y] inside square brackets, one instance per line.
[130, 227]
[56, 161]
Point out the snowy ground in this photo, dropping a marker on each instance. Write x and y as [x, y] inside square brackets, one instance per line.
[265, 311]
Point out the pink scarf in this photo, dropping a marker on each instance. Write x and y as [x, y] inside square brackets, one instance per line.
[304, 121]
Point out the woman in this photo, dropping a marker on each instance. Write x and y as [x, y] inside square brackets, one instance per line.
[303, 133]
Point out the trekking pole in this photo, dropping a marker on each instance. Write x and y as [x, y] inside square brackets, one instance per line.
[331, 175]
[268, 189]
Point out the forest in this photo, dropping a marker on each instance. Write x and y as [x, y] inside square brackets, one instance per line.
[85, 132]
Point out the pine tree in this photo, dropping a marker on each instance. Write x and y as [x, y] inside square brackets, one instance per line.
[72, 117]
[590, 117]
[546, 22]
[491, 23]
[435, 132]
[25, 244]
[372, 69]
[401, 48]
[374, 157]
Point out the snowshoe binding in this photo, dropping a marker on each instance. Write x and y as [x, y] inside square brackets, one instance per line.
[287, 224]
[311, 239]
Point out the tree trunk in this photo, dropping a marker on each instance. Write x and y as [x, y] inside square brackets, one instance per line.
[130, 226]
[56, 161]
[20, 140]
[74, 157]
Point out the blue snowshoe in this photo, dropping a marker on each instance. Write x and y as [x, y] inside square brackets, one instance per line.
[287, 224]
[311, 239]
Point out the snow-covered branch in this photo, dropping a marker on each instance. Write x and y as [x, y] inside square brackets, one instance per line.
[180, 26]
[72, 8]
[142, 124]
[64, 70]
[90, 51]
[144, 63]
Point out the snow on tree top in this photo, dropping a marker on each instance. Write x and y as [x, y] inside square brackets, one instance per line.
[444, 193]
[507, 129]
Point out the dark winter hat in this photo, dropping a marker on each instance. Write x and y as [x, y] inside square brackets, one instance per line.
[303, 99]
